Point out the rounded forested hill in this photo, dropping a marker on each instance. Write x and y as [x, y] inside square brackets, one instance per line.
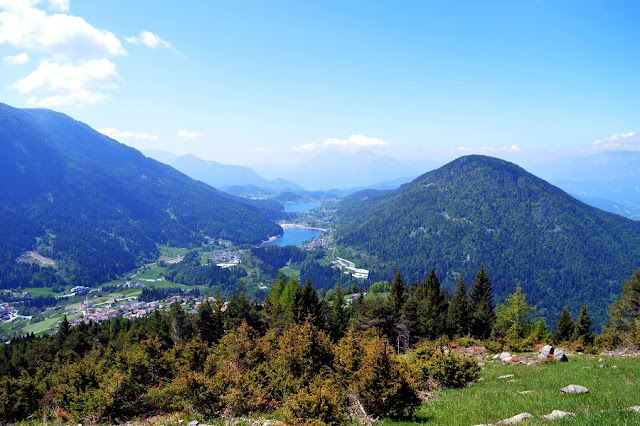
[481, 209]
[98, 207]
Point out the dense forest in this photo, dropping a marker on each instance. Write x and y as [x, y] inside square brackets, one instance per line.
[481, 209]
[297, 355]
[99, 208]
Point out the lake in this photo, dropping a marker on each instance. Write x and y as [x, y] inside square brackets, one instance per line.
[300, 207]
[295, 237]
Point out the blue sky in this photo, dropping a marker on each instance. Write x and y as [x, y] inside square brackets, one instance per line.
[249, 82]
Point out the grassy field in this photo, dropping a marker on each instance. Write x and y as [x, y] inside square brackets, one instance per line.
[611, 392]
[41, 291]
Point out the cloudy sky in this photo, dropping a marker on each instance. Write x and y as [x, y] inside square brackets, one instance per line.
[249, 82]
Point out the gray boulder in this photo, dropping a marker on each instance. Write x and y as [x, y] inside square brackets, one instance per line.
[574, 389]
[557, 414]
[515, 419]
[560, 356]
[545, 352]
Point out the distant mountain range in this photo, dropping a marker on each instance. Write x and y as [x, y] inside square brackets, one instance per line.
[609, 180]
[98, 207]
[326, 170]
[220, 175]
[480, 209]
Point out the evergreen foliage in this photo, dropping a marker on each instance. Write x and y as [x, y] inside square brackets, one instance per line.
[460, 312]
[583, 331]
[565, 327]
[481, 209]
[481, 297]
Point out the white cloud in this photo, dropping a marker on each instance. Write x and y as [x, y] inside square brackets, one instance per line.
[189, 135]
[60, 35]
[56, 78]
[59, 5]
[353, 143]
[76, 99]
[125, 135]
[149, 39]
[512, 148]
[19, 59]
[629, 141]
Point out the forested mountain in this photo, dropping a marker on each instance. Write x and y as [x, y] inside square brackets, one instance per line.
[481, 209]
[98, 207]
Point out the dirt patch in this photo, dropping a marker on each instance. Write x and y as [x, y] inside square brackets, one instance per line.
[33, 257]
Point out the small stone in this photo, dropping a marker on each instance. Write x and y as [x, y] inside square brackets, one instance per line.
[505, 356]
[636, 408]
[527, 392]
[193, 423]
[600, 365]
[481, 364]
[557, 414]
[506, 376]
[574, 389]
[496, 356]
[560, 356]
[515, 419]
[614, 367]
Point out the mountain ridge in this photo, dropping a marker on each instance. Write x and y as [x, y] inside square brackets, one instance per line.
[97, 206]
[480, 209]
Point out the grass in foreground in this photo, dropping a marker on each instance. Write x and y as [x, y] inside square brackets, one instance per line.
[611, 391]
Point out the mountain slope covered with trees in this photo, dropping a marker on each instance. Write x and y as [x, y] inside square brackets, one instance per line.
[98, 207]
[481, 209]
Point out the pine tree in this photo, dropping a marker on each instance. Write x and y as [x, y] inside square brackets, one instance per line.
[459, 312]
[289, 299]
[338, 318]
[397, 291]
[210, 324]
[565, 327]
[583, 330]
[309, 306]
[483, 315]
[273, 304]
[178, 324]
[431, 308]
[624, 313]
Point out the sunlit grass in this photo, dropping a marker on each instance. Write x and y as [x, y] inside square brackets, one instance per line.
[611, 392]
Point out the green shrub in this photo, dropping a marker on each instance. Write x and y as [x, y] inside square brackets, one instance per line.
[324, 401]
[450, 370]
[467, 342]
[608, 341]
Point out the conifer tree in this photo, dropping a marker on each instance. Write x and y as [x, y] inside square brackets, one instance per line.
[178, 324]
[624, 313]
[583, 330]
[483, 315]
[431, 308]
[565, 327]
[273, 304]
[338, 318]
[397, 291]
[289, 300]
[309, 306]
[210, 323]
[459, 312]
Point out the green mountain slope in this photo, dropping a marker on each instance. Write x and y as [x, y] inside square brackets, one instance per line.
[96, 206]
[481, 209]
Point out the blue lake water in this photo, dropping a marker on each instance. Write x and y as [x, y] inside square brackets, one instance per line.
[296, 236]
[300, 207]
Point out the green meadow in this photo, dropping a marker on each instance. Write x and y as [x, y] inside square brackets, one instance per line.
[612, 389]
